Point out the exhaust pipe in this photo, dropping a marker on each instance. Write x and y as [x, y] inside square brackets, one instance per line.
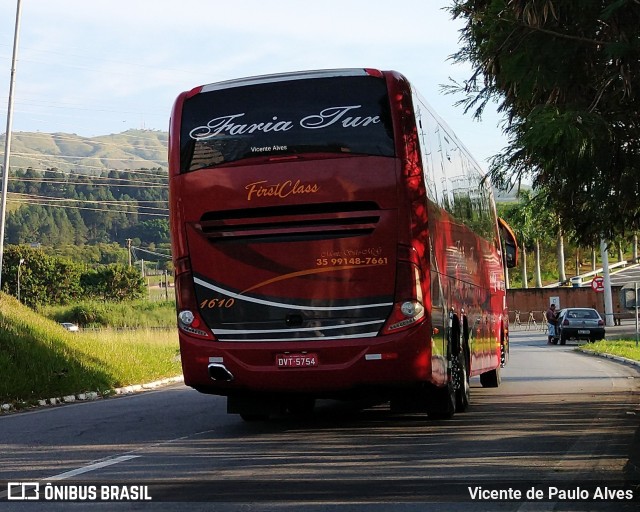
[219, 372]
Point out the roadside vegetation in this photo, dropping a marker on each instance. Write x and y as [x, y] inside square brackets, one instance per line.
[119, 344]
[622, 348]
[39, 359]
[98, 315]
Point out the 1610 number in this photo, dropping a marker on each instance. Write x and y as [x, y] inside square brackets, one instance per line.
[217, 303]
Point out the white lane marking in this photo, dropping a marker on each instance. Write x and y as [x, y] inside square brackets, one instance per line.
[79, 471]
[92, 467]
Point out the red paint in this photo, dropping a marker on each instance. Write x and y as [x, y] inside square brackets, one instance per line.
[315, 251]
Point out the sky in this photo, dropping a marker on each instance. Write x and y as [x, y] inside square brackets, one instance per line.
[105, 66]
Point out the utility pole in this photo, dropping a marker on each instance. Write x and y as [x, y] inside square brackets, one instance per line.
[129, 249]
[7, 140]
[166, 285]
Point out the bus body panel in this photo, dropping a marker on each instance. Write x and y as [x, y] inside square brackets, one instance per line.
[286, 267]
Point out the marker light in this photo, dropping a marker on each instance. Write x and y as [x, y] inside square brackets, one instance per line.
[411, 309]
[408, 310]
[189, 322]
[186, 317]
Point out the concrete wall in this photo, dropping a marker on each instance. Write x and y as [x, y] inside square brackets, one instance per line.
[537, 300]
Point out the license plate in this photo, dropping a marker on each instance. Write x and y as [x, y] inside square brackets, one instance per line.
[584, 331]
[296, 360]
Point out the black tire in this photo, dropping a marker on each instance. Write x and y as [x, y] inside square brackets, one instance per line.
[461, 381]
[250, 418]
[491, 379]
[301, 406]
[442, 402]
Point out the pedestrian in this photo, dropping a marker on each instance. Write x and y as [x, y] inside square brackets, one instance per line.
[552, 322]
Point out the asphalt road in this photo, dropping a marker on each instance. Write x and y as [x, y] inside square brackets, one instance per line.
[560, 420]
[625, 276]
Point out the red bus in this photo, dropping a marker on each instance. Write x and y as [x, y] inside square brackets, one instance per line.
[332, 239]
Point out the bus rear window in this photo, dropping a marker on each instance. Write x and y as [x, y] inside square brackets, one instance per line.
[321, 115]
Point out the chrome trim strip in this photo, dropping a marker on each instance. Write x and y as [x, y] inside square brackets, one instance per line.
[316, 338]
[296, 329]
[237, 296]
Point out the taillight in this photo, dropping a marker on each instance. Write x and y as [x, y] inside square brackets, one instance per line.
[408, 308]
[565, 322]
[600, 323]
[189, 319]
[374, 72]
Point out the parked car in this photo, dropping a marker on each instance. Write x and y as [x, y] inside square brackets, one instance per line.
[579, 324]
[70, 327]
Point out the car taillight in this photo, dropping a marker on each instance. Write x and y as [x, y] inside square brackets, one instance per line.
[565, 322]
[408, 308]
[189, 319]
[600, 323]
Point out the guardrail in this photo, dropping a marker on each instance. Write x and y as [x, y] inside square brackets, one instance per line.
[578, 281]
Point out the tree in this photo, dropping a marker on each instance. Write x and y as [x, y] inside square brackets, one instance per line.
[567, 76]
[150, 231]
[43, 278]
[113, 283]
[532, 222]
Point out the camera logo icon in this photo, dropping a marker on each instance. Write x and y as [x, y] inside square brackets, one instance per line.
[22, 491]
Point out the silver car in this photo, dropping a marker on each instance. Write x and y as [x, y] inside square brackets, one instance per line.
[70, 327]
[579, 324]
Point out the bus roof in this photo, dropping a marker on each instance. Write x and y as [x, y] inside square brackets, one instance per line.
[282, 77]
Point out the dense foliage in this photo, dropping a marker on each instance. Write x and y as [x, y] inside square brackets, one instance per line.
[45, 280]
[566, 74]
[57, 209]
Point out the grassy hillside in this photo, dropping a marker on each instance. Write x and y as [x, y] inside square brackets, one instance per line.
[39, 359]
[133, 149]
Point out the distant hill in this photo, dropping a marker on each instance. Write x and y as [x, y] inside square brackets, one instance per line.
[133, 149]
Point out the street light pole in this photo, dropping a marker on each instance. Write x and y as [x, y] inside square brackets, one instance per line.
[608, 300]
[7, 141]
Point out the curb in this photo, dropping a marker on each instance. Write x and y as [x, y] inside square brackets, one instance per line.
[618, 359]
[92, 395]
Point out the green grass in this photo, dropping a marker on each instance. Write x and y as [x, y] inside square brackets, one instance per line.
[622, 348]
[39, 359]
[138, 314]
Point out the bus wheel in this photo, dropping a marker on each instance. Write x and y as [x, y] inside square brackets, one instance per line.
[490, 379]
[301, 406]
[442, 402]
[460, 375]
[254, 417]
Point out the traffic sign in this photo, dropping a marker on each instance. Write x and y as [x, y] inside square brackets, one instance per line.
[597, 284]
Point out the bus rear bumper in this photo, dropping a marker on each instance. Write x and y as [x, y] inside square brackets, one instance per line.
[326, 368]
